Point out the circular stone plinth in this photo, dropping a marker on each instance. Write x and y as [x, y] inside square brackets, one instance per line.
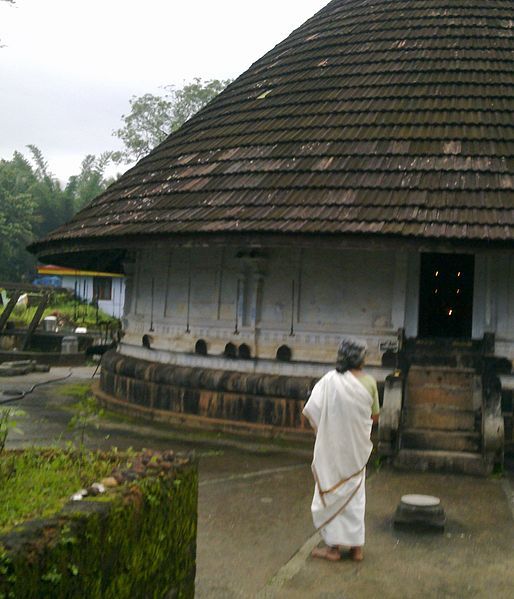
[420, 511]
[420, 501]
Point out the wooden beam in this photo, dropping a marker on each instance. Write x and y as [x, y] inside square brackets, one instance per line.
[11, 304]
[35, 321]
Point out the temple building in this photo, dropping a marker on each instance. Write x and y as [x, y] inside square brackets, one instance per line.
[357, 180]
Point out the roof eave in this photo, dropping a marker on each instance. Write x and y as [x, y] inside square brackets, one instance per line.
[107, 253]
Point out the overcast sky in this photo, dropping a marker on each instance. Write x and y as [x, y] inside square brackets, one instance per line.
[69, 67]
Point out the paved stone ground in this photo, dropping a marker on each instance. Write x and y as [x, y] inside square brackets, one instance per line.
[474, 557]
[255, 532]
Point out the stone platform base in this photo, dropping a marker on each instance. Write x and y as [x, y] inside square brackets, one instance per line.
[266, 405]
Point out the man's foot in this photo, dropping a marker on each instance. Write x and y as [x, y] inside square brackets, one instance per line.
[356, 554]
[332, 554]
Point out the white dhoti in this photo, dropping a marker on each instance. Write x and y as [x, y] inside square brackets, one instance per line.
[340, 411]
[342, 523]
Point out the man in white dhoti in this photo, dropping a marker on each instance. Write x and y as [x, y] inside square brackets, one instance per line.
[341, 410]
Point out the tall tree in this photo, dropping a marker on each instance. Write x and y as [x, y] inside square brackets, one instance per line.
[90, 182]
[52, 206]
[33, 203]
[17, 216]
[152, 118]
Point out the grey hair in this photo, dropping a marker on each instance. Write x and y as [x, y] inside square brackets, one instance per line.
[351, 354]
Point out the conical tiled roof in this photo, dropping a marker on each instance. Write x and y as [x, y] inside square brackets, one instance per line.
[376, 117]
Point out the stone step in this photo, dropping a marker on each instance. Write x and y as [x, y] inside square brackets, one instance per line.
[442, 375]
[440, 395]
[452, 387]
[441, 352]
[442, 461]
[439, 418]
[441, 440]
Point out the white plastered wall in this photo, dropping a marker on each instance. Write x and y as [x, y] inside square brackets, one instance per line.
[306, 299]
[494, 301]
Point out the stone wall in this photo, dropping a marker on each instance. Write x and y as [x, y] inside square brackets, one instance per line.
[272, 404]
[138, 540]
[303, 299]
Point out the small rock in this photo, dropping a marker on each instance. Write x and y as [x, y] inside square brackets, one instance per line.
[118, 476]
[79, 495]
[110, 481]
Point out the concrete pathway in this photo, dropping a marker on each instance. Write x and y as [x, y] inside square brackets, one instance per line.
[255, 532]
[474, 557]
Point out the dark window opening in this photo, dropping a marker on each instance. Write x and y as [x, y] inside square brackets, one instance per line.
[284, 353]
[244, 352]
[230, 351]
[102, 288]
[201, 347]
[446, 296]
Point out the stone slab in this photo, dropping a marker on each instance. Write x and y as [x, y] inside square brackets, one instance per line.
[439, 418]
[442, 461]
[441, 440]
[443, 395]
[420, 501]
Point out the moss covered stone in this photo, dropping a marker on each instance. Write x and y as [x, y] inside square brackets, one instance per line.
[137, 541]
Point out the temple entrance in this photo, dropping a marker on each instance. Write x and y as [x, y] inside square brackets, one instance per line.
[446, 296]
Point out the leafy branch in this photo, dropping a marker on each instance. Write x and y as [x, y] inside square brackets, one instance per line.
[88, 414]
[152, 117]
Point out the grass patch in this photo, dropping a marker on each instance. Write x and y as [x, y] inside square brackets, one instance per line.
[36, 483]
[78, 391]
[87, 411]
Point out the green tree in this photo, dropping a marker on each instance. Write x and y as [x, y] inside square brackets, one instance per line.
[17, 216]
[152, 118]
[53, 207]
[33, 203]
[90, 182]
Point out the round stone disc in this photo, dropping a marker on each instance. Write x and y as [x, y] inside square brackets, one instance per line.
[421, 500]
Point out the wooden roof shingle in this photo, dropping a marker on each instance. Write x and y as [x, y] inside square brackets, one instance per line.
[377, 117]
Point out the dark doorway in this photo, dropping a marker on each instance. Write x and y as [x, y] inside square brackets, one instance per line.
[446, 295]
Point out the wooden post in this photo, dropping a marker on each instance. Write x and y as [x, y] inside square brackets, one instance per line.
[35, 321]
[4, 317]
